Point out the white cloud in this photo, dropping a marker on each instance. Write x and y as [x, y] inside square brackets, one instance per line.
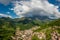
[4, 15]
[5, 2]
[35, 7]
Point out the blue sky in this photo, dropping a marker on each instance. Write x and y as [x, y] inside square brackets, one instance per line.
[8, 8]
[5, 10]
[55, 2]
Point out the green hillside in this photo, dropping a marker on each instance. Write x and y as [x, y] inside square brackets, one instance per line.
[8, 26]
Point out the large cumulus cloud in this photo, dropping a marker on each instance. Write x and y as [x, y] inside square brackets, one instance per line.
[24, 8]
[27, 8]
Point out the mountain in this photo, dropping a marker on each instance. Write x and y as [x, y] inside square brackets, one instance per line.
[34, 17]
[30, 19]
[8, 26]
[25, 20]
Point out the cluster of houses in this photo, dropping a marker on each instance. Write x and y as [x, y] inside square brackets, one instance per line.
[27, 34]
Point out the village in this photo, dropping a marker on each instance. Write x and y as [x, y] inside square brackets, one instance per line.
[27, 34]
